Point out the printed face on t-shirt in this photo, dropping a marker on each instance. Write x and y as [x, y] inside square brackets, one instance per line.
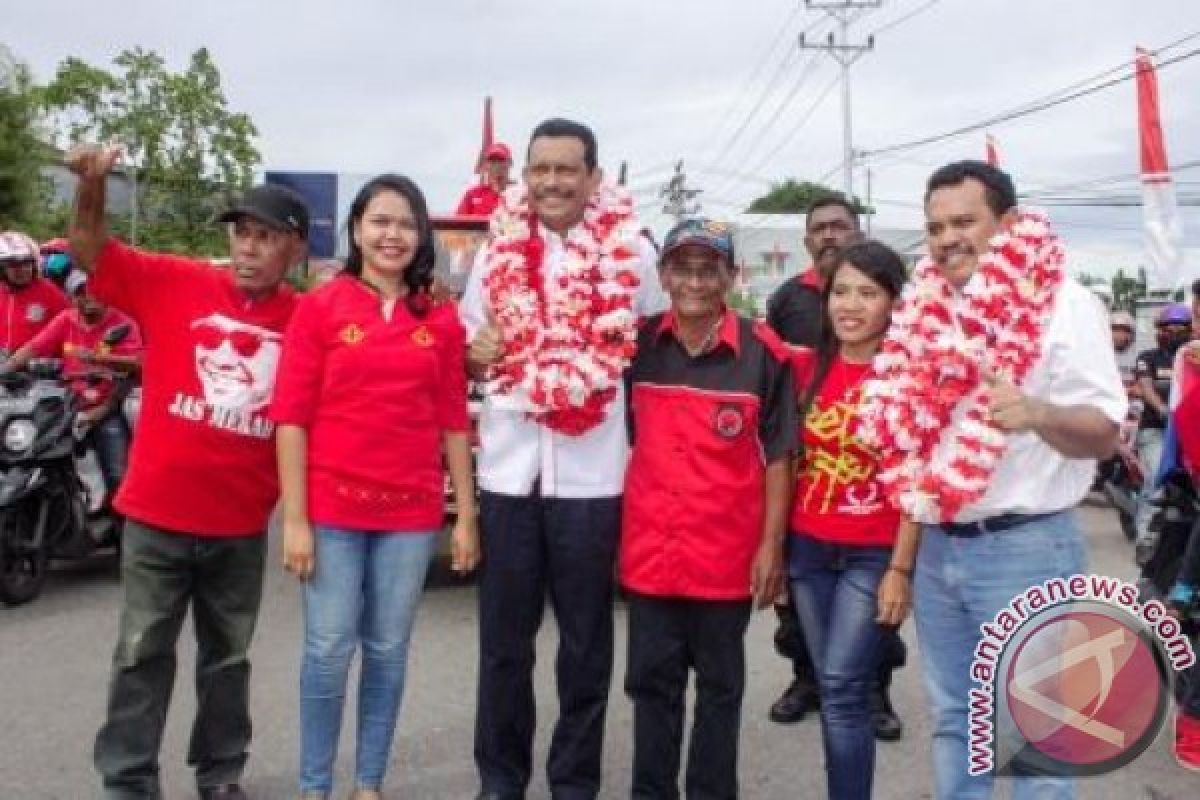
[235, 362]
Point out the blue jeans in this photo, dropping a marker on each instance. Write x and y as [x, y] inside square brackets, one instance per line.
[960, 583]
[109, 439]
[835, 587]
[364, 591]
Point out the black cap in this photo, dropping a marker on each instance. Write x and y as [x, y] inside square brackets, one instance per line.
[274, 205]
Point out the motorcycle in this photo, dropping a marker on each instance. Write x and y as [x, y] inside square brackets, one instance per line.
[1176, 507]
[47, 509]
[1120, 478]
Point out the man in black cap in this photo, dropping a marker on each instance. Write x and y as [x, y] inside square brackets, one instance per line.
[202, 480]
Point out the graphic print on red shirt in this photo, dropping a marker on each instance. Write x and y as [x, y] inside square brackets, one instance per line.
[838, 497]
[203, 459]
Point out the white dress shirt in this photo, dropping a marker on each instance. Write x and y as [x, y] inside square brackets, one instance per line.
[1077, 367]
[514, 450]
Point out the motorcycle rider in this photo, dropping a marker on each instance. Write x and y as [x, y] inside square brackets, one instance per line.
[56, 261]
[27, 300]
[1124, 334]
[1154, 368]
[91, 366]
[1173, 327]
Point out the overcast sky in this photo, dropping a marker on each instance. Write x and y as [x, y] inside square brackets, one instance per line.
[366, 86]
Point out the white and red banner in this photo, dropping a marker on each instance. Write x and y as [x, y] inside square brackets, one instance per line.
[1163, 228]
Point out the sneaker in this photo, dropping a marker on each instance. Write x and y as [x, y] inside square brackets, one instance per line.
[225, 791]
[795, 702]
[1187, 741]
[887, 724]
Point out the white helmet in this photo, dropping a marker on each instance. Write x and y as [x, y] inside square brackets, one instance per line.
[16, 246]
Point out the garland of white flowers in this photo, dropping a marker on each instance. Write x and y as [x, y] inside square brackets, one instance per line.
[567, 345]
[926, 407]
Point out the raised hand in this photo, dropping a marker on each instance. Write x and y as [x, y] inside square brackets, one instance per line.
[93, 161]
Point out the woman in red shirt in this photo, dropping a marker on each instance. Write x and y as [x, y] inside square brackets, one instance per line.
[851, 558]
[371, 390]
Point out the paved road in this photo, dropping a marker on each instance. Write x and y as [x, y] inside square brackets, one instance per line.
[54, 664]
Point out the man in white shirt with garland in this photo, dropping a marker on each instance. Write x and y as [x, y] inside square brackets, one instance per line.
[993, 446]
[551, 309]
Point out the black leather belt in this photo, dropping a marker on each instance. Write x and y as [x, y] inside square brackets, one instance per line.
[1000, 522]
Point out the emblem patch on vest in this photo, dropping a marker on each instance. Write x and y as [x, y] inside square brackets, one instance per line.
[729, 421]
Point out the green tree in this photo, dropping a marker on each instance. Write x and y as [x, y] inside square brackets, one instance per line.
[742, 301]
[1127, 290]
[186, 151]
[794, 197]
[24, 192]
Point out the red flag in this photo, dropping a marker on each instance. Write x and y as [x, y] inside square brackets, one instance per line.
[488, 138]
[1163, 233]
[993, 154]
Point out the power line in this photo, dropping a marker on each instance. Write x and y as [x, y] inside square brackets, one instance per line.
[845, 53]
[1030, 109]
[762, 62]
[783, 106]
[768, 89]
[905, 18]
[797, 127]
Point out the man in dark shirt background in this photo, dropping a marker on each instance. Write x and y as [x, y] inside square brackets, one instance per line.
[794, 311]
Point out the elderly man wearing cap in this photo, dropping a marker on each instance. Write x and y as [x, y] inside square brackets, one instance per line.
[481, 200]
[27, 300]
[202, 478]
[713, 425]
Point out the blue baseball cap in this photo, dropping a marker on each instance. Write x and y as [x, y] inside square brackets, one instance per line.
[700, 232]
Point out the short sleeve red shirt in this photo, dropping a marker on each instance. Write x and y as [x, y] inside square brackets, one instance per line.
[67, 335]
[479, 201]
[838, 496]
[203, 457]
[26, 311]
[374, 395]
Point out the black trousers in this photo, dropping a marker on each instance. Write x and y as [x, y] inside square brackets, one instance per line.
[667, 637]
[162, 574]
[566, 548]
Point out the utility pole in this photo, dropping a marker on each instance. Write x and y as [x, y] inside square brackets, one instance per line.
[679, 201]
[845, 54]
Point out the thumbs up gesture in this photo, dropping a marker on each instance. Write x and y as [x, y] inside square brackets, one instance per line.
[1012, 410]
[488, 345]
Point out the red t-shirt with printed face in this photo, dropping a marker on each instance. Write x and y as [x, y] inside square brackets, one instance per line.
[67, 335]
[203, 457]
[838, 497]
[25, 311]
[374, 394]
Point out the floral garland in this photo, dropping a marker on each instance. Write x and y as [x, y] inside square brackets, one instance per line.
[565, 349]
[926, 407]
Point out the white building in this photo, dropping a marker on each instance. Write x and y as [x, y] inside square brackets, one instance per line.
[770, 248]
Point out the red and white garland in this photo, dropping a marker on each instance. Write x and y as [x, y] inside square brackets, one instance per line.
[564, 349]
[926, 407]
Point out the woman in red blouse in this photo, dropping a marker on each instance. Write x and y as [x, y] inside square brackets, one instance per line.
[371, 391]
[851, 558]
